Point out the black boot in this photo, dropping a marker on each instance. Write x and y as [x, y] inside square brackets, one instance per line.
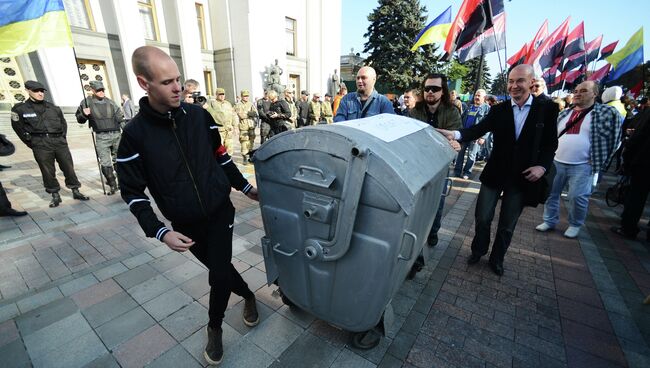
[213, 353]
[56, 200]
[110, 179]
[11, 212]
[76, 194]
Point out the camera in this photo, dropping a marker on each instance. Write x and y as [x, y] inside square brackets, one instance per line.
[198, 99]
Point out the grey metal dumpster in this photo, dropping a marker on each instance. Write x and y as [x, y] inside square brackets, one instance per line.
[346, 209]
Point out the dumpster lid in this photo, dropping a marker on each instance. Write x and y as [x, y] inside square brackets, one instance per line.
[383, 126]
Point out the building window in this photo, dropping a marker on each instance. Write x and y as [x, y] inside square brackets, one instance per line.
[290, 25]
[201, 20]
[79, 14]
[207, 76]
[148, 15]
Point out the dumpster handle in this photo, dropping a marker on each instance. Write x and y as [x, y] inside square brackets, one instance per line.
[332, 250]
[276, 248]
[448, 184]
[415, 241]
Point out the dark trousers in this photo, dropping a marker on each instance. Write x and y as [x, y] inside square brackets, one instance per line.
[512, 204]
[438, 220]
[213, 247]
[634, 204]
[4, 201]
[46, 150]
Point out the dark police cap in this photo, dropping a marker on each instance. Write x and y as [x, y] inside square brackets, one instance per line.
[304, 92]
[96, 85]
[34, 86]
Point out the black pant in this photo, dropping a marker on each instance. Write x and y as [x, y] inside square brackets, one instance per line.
[4, 201]
[213, 247]
[512, 204]
[48, 149]
[635, 203]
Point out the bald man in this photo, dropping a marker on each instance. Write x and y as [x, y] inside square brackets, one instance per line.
[515, 166]
[588, 134]
[174, 149]
[366, 101]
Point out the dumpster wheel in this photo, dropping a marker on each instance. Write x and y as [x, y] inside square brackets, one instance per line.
[286, 300]
[366, 340]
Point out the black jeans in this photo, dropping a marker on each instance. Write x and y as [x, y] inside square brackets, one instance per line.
[634, 204]
[512, 204]
[4, 201]
[48, 149]
[213, 247]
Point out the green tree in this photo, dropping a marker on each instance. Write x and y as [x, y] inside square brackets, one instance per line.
[394, 24]
[470, 79]
[500, 84]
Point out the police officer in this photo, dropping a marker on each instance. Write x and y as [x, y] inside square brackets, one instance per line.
[263, 109]
[224, 114]
[303, 109]
[247, 113]
[42, 127]
[105, 118]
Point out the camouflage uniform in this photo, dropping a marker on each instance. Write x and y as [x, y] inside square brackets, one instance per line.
[247, 114]
[326, 112]
[315, 112]
[224, 114]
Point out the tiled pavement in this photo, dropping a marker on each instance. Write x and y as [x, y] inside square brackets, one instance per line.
[80, 285]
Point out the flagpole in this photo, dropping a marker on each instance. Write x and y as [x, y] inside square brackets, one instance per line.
[92, 134]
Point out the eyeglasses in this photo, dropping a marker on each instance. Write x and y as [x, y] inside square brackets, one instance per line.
[221, 94]
[100, 90]
[433, 89]
[537, 85]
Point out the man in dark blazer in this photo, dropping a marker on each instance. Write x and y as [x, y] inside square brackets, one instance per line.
[514, 166]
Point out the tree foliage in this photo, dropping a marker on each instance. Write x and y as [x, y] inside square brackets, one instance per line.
[470, 79]
[394, 24]
[500, 84]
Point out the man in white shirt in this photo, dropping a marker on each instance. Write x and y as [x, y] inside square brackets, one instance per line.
[588, 135]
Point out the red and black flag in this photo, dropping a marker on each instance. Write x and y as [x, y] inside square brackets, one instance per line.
[541, 34]
[575, 41]
[607, 50]
[592, 48]
[574, 61]
[493, 39]
[600, 74]
[473, 18]
[519, 57]
[551, 50]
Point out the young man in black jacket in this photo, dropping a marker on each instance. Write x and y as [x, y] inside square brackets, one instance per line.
[174, 149]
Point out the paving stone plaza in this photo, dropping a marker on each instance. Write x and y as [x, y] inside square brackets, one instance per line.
[81, 286]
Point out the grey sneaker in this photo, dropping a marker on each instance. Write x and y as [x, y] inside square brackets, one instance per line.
[213, 353]
[251, 318]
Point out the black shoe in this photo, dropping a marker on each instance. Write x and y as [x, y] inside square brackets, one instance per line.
[56, 200]
[76, 194]
[12, 212]
[619, 230]
[497, 268]
[473, 259]
[251, 318]
[432, 240]
[213, 353]
[2, 167]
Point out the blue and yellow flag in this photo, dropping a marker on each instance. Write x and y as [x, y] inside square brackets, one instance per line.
[628, 57]
[436, 31]
[27, 25]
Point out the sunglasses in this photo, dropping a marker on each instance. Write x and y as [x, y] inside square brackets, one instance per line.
[100, 90]
[433, 89]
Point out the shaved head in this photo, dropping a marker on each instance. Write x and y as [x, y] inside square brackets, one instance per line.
[525, 69]
[158, 75]
[366, 78]
[142, 57]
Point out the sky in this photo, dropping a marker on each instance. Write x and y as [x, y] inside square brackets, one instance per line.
[523, 19]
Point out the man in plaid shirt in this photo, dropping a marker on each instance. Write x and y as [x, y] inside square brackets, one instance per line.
[592, 131]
